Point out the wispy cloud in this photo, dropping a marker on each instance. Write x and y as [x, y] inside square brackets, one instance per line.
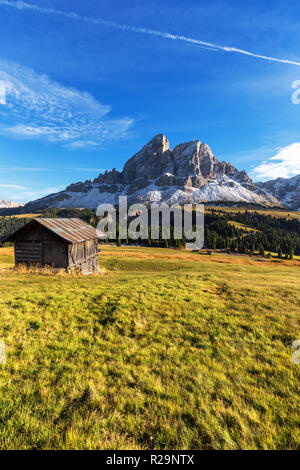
[20, 5]
[22, 195]
[21, 168]
[12, 186]
[40, 108]
[285, 164]
[101, 170]
[39, 193]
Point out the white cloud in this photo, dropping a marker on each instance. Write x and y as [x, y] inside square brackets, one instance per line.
[285, 164]
[40, 108]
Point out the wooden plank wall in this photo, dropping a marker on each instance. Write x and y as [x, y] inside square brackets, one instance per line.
[35, 232]
[84, 256]
[28, 252]
[55, 253]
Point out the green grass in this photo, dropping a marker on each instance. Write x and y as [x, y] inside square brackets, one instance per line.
[166, 351]
[284, 213]
[243, 227]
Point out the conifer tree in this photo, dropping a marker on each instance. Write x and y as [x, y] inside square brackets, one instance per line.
[261, 250]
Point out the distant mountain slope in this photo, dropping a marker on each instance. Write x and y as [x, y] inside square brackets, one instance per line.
[286, 190]
[9, 204]
[188, 174]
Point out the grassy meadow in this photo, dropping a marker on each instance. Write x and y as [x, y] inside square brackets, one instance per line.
[280, 213]
[167, 350]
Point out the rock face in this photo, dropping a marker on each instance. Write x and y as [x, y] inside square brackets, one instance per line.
[286, 190]
[9, 204]
[189, 173]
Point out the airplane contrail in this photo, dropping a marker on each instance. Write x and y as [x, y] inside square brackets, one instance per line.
[20, 5]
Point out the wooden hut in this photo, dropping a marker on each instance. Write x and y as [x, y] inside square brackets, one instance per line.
[59, 243]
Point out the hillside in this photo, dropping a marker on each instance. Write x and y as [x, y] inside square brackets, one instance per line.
[190, 173]
[142, 358]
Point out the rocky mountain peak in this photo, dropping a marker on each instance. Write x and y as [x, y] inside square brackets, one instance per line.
[286, 190]
[159, 144]
[156, 173]
[149, 162]
[9, 204]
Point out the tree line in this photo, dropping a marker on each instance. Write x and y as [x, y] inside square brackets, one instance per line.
[269, 234]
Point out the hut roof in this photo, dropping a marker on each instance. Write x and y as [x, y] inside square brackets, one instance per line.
[71, 230]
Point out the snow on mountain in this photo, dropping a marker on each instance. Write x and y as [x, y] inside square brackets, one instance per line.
[189, 173]
[9, 204]
[286, 190]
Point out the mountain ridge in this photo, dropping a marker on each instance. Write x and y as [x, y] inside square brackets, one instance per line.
[286, 190]
[190, 173]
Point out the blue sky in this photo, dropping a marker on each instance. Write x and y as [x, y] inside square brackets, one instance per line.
[87, 84]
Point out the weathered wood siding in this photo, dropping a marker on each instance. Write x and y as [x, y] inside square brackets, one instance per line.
[84, 256]
[55, 253]
[28, 252]
[36, 245]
